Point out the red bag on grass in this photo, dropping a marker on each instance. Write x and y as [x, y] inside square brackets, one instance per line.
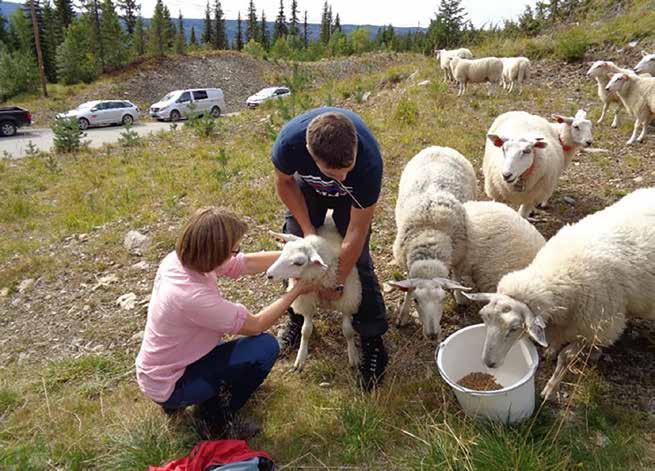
[213, 454]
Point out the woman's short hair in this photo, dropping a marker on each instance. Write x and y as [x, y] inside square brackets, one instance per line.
[209, 238]
[332, 139]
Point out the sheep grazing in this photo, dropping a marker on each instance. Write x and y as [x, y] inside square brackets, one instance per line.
[581, 287]
[431, 230]
[638, 96]
[515, 72]
[498, 241]
[487, 69]
[600, 71]
[315, 258]
[646, 65]
[444, 56]
[525, 155]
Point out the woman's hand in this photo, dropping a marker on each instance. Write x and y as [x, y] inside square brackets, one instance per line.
[303, 287]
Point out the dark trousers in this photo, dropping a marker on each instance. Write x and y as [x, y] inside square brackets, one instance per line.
[232, 371]
[371, 319]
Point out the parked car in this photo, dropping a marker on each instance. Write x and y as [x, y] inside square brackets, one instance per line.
[12, 118]
[103, 113]
[180, 104]
[265, 94]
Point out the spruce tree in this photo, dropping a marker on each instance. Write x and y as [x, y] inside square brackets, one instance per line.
[238, 44]
[325, 24]
[170, 28]
[337, 25]
[220, 34]
[21, 33]
[252, 30]
[49, 41]
[111, 36]
[75, 61]
[280, 24]
[92, 17]
[158, 32]
[452, 17]
[130, 10]
[265, 38]
[4, 32]
[305, 31]
[192, 38]
[294, 30]
[139, 37]
[207, 33]
[180, 42]
[64, 13]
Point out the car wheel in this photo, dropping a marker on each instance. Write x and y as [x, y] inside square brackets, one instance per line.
[7, 129]
[128, 120]
[215, 112]
[175, 115]
[84, 124]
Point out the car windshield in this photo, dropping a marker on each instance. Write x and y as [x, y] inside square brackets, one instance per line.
[86, 105]
[169, 97]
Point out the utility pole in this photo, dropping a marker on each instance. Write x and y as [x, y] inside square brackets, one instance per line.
[37, 43]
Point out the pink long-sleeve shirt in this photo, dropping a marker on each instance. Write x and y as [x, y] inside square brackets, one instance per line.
[187, 318]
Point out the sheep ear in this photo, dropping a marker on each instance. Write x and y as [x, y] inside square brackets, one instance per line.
[497, 140]
[316, 259]
[283, 237]
[404, 285]
[480, 297]
[536, 327]
[562, 119]
[450, 284]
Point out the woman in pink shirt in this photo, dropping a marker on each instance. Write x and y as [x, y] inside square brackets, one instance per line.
[182, 360]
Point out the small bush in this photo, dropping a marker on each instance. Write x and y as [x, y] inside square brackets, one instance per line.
[572, 45]
[202, 126]
[407, 111]
[67, 135]
[129, 137]
[255, 49]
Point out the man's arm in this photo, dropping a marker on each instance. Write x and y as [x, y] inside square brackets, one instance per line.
[353, 242]
[260, 261]
[290, 194]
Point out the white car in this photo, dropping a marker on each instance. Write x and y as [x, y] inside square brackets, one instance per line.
[182, 103]
[103, 113]
[265, 94]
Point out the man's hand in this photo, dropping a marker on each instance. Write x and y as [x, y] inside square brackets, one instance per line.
[329, 294]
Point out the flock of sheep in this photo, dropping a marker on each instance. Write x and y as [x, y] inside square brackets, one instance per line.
[577, 288]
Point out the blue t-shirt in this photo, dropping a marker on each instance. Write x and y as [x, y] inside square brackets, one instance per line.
[364, 181]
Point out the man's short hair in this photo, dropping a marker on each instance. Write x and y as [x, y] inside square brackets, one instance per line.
[209, 238]
[332, 139]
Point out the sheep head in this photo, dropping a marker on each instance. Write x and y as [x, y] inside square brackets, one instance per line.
[518, 154]
[506, 320]
[297, 257]
[577, 129]
[646, 65]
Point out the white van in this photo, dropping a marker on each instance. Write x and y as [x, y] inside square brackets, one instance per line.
[181, 104]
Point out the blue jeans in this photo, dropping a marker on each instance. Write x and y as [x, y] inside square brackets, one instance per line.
[238, 367]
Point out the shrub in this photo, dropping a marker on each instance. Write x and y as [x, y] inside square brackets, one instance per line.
[201, 125]
[18, 74]
[129, 137]
[407, 111]
[572, 45]
[255, 49]
[67, 135]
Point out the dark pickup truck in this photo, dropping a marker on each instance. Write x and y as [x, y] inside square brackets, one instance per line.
[12, 118]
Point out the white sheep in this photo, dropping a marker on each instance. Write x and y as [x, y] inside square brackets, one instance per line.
[487, 69]
[444, 56]
[638, 96]
[431, 230]
[646, 65]
[515, 72]
[600, 71]
[498, 241]
[525, 155]
[315, 258]
[583, 284]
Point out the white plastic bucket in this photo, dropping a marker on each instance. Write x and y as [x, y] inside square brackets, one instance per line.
[461, 354]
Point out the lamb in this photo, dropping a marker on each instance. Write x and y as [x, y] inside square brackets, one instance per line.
[638, 96]
[583, 284]
[431, 230]
[515, 72]
[444, 56]
[315, 258]
[646, 65]
[498, 242]
[600, 70]
[525, 155]
[487, 69]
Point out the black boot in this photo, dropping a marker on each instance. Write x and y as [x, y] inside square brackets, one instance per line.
[288, 337]
[374, 362]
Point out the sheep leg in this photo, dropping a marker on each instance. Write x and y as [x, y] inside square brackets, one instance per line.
[511, 87]
[565, 359]
[348, 332]
[602, 113]
[403, 312]
[634, 132]
[525, 210]
[643, 130]
[615, 123]
[306, 333]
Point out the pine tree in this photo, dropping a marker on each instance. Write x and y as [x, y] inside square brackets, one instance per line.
[75, 60]
[452, 16]
[337, 24]
[265, 38]
[280, 24]
[130, 10]
[220, 34]
[64, 13]
[239, 38]
[170, 28]
[325, 24]
[139, 37]
[49, 41]
[207, 34]
[294, 30]
[158, 32]
[180, 42]
[252, 30]
[21, 33]
[192, 39]
[111, 36]
[4, 32]
[305, 31]
[92, 17]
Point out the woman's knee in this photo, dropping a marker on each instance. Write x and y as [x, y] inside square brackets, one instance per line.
[268, 349]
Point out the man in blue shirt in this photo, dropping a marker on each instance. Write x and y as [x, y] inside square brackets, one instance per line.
[326, 159]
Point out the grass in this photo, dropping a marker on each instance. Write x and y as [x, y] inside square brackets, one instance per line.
[86, 412]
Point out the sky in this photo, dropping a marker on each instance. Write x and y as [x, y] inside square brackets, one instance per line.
[380, 12]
